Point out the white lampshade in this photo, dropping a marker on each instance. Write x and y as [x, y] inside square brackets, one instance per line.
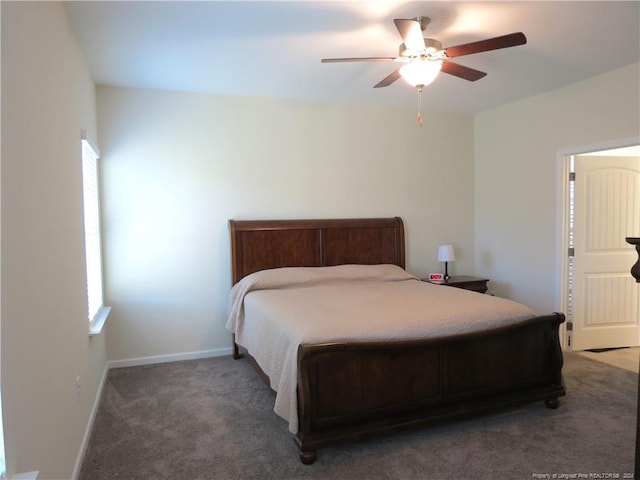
[445, 253]
[421, 72]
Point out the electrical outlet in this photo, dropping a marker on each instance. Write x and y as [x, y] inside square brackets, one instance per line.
[78, 386]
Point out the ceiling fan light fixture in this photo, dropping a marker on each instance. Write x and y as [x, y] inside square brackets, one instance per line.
[421, 72]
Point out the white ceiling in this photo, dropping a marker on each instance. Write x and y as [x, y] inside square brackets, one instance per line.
[273, 49]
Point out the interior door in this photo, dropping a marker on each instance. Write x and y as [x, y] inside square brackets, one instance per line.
[607, 209]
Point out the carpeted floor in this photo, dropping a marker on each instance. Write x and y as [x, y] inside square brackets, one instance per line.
[213, 419]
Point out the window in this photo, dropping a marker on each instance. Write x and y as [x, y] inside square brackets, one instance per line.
[96, 311]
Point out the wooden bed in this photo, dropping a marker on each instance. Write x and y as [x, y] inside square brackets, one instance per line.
[350, 390]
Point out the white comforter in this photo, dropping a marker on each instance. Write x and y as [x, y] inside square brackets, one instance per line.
[271, 312]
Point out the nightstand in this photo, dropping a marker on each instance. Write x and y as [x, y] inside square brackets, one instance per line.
[468, 282]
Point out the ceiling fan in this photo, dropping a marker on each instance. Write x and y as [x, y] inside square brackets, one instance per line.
[424, 58]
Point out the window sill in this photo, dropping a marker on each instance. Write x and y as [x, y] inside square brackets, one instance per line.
[26, 476]
[97, 324]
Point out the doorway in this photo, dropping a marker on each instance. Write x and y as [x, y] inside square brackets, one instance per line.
[602, 207]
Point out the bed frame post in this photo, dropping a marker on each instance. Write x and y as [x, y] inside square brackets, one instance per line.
[236, 350]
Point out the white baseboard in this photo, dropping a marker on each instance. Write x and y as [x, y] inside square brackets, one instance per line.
[173, 357]
[133, 362]
[92, 417]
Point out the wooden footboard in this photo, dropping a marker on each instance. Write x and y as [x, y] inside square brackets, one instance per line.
[351, 390]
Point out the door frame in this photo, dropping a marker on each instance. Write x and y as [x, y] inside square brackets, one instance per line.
[562, 219]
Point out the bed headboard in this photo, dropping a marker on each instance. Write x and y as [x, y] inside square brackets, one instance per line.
[263, 244]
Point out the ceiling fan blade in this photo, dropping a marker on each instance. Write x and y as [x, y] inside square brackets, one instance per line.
[511, 40]
[388, 80]
[411, 33]
[461, 71]
[358, 59]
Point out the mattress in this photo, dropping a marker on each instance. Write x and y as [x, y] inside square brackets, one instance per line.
[272, 312]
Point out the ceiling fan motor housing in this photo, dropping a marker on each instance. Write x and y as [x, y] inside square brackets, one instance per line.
[431, 46]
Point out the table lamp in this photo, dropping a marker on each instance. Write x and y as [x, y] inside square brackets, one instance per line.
[446, 255]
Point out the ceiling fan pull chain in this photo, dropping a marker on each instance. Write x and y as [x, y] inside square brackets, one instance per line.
[420, 121]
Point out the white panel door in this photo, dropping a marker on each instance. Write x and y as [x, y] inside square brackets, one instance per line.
[607, 209]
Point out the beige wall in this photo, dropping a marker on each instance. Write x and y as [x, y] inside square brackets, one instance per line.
[518, 181]
[48, 96]
[177, 166]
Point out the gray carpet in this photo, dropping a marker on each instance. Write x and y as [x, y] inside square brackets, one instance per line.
[213, 419]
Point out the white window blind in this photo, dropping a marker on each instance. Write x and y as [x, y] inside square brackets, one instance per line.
[93, 251]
